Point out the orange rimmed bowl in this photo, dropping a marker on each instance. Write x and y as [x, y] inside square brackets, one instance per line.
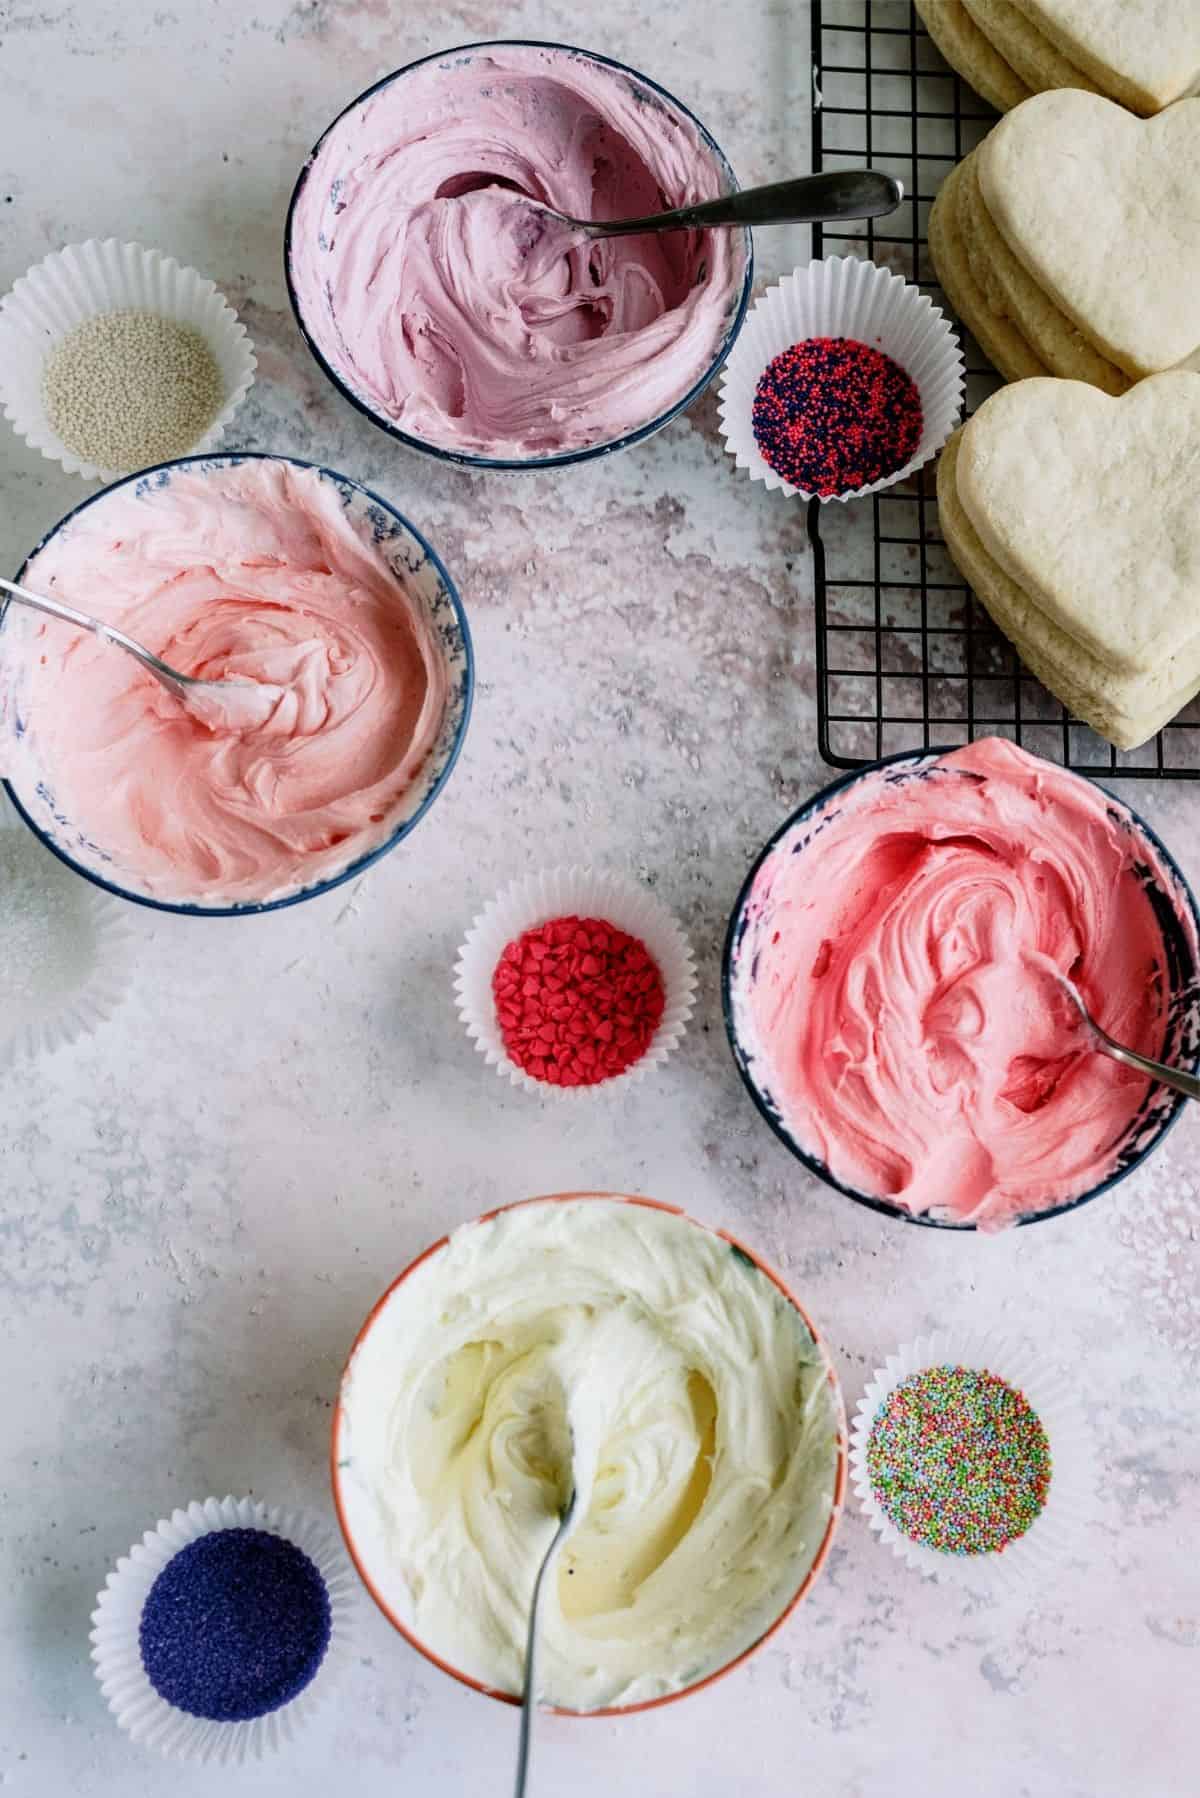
[361, 1560]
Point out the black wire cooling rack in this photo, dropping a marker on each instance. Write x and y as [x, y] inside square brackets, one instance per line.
[906, 656]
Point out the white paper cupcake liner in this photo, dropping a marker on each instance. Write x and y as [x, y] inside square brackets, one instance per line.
[116, 1652]
[1057, 1533]
[83, 280]
[67, 947]
[844, 296]
[573, 892]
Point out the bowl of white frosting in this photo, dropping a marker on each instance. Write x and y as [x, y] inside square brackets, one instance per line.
[442, 303]
[711, 1483]
[257, 568]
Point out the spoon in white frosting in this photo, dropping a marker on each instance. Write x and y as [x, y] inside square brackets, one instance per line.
[218, 704]
[529, 1691]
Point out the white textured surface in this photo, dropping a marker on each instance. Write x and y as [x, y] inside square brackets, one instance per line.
[198, 1205]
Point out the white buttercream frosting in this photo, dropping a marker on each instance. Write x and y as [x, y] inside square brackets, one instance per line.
[705, 1427]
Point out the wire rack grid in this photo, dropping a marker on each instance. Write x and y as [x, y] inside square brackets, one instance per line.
[906, 656]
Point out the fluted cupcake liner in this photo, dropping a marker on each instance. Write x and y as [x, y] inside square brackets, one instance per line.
[843, 296]
[116, 1650]
[83, 281]
[1057, 1532]
[573, 892]
[67, 948]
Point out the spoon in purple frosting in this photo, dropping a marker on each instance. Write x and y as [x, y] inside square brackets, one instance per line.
[808, 200]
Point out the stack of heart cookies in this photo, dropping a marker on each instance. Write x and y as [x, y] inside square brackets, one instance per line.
[1143, 53]
[1069, 241]
[1074, 517]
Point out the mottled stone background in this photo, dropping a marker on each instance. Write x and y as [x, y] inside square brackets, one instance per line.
[199, 1205]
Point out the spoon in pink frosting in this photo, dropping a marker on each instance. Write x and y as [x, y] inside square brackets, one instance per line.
[218, 704]
[808, 200]
[1175, 1078]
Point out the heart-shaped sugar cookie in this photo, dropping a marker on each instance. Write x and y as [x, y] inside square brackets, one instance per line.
[1103, 209]
[1145, 53]
[1092, 505]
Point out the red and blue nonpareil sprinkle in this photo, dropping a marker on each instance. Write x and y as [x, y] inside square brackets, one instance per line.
[959, 1461]
[832, 414]
[236, 1625]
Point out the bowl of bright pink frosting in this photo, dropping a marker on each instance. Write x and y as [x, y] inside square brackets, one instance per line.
[887, 997]
[261, 569]
[437, 298]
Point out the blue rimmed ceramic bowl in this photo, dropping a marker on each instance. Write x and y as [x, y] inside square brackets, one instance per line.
[1175, 909]
[419, 572]
[321, 333]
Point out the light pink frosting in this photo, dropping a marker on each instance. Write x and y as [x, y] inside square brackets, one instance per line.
[899, 1010]
[252, 571]
[441, 300]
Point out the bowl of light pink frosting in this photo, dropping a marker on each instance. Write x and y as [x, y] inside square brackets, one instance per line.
[891, 986]
[443, 303]
[255, 568]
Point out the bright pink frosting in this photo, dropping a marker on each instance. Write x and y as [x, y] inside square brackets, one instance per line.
[252, 571]
[897, 998]
[442, 301]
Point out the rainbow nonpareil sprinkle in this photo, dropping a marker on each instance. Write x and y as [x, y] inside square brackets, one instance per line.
[959, 1461]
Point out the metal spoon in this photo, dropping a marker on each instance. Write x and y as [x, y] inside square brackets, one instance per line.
[1175, 1078]
[844, 194]
[220, 704]
[529, 1689]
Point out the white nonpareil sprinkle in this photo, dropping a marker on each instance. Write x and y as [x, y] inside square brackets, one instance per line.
[128, 388]
[47, 935]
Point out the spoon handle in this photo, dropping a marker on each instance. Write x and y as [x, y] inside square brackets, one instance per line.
[56, 608]
[53, 607]
[1175, 1078]
[843, 194]
[529, 1693]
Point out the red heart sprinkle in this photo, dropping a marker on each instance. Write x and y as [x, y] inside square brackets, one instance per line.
[577, 1000]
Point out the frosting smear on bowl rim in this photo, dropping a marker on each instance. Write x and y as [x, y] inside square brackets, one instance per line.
[454, 310]
[255, 571]
[893, 990]
[706, 1435]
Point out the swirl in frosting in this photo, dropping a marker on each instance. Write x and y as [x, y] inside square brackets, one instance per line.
[705, 1449]
[897, 988]
[452, 307]
[251, 571]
